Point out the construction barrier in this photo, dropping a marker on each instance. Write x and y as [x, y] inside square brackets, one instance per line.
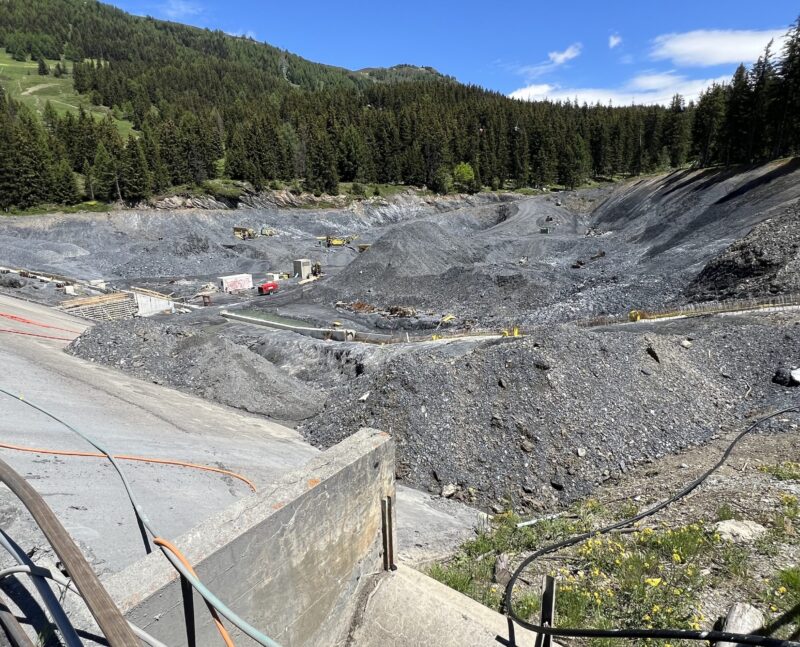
[697, 310]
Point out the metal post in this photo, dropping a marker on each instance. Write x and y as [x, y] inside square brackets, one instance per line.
[548, 610]
[188, 611]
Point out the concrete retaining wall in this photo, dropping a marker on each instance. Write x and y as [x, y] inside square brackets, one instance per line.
[333, 334]
[291, 560]
[149, 304]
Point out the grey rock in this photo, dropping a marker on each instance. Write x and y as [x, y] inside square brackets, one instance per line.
[786, 377]
[739, 531]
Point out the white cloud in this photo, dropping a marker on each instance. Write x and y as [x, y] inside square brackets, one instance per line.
[643, 89]
[179, 9]
[554, 60]
[706, 47]
[243, 33]
[559, 58]
[614, 40]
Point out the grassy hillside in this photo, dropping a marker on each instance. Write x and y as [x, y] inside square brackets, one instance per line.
[23, 83]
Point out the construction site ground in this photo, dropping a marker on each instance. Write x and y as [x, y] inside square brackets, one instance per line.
[138, 417]
[482, 418]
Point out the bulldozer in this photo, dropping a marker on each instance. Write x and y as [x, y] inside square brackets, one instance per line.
[335, 241]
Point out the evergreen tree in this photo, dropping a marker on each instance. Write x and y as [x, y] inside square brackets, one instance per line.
[738, 118]
[88, 180]
[321, 176]
[707, 128]
[43, 68]
[104, 176]
[788, 135]
[677, 132]
[134, 182]
[65, 189]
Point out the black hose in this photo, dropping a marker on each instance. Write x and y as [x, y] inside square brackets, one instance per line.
[672, 634]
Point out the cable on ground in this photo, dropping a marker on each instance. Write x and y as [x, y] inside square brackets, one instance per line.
[666, 634]
[131, 457]
[146, 524]
[43, 572]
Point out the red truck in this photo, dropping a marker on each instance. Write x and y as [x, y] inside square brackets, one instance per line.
[268, 288]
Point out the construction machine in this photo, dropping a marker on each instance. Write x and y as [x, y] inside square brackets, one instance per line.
[244, 233]
[248, 233]
[268, 287]
[316, 269]
[335, 241]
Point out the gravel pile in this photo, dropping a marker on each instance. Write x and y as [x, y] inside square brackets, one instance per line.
[766, 261]
[200, 362]
[550, 416]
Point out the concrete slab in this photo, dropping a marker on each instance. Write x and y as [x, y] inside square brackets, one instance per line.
[291, 560]
[409, 608]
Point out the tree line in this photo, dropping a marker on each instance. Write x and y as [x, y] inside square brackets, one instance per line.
[205, 105]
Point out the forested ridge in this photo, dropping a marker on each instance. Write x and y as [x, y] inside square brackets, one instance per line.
[205, 104]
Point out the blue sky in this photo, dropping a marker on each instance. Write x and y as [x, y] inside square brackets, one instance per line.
[622, 51]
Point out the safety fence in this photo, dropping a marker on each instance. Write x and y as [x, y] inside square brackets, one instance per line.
[731, 306]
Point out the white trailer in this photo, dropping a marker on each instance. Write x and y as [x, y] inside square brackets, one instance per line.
[236, 282]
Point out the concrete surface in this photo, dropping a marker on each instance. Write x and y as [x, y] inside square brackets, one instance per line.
[291, 560]
[129, 416]
[133, 416]
[409, 608]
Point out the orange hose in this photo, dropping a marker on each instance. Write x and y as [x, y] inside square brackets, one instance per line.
[140, 459]
[31, 322]
[33, 334]
[158, 541]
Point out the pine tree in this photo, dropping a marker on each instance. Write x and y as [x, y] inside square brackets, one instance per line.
[677, 132]
[707, 128]
[88, 180]
[738, 118]
[788, 137]
[104, 175]
[135, 183]
[43, 68]
[65, 189]
[321, 176]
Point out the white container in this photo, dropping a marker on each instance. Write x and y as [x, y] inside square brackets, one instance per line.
[236, 282]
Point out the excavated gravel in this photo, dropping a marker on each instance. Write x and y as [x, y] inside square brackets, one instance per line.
[557, 412]
[529, 421]
[200, 362]
[763, 263]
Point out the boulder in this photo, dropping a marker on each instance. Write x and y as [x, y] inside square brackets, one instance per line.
[787, 377]
[739, 532]
[449, 490]
[742, 618]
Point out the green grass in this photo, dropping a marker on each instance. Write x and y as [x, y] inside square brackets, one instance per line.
[651, 578]
[93, 205]
[787, 471]
[23, 83]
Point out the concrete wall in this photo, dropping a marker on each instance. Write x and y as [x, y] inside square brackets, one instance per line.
[148, 305]
[332, 334]
[291, 560]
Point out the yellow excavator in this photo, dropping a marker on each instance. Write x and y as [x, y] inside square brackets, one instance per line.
[335, 241]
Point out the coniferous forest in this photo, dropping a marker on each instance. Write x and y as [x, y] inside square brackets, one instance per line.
[205, 104]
